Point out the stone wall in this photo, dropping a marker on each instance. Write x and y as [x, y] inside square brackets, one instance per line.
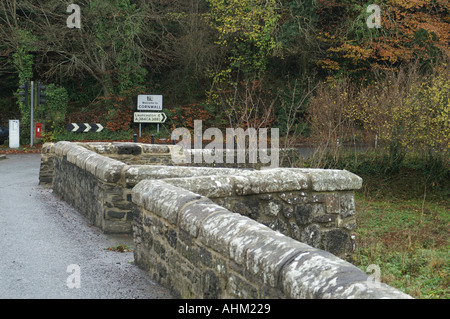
[218, 232]
[47, 170]
[313, 206]
[202, 250]
[100, 186]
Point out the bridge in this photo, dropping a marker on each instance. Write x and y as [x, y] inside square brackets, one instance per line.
[219, 232]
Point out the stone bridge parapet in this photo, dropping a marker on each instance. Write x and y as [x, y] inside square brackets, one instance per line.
[209, 232]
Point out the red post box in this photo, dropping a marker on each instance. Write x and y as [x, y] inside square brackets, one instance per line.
[38, 130]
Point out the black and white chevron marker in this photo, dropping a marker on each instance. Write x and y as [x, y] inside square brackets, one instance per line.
[84, 127]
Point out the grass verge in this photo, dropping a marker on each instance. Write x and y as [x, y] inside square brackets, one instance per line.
[407, 238]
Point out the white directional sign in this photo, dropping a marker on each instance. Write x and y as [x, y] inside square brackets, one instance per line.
[150, 117]
[150, 102]
[84, 127]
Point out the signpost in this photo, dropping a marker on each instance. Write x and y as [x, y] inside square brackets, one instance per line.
[149, 103]
[150, 117]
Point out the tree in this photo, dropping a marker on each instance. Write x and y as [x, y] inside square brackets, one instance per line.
[410, 30]
[106, 47]
[113, 45]
[19, 43]
[245, 29]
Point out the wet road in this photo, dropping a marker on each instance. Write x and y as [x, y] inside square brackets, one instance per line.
[48, 250]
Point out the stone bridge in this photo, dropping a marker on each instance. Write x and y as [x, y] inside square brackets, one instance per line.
[219, 232]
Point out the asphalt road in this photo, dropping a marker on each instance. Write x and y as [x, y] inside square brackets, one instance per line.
[48, 250]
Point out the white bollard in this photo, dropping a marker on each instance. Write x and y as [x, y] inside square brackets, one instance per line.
[14, 134]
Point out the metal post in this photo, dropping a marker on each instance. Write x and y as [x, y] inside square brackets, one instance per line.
[32, 114]
[153, 139]
[135, 138]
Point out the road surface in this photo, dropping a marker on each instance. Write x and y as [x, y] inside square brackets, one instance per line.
[48, 250]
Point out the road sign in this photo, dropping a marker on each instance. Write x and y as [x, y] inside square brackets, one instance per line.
[150, 117]
[150, 103]
[84, 127]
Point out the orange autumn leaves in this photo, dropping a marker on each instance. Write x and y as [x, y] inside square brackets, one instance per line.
[411, 29]
[184, 116]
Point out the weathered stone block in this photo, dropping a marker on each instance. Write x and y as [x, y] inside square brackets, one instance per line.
[156, 149]
[303, 214]
[318, 274]
[238, 287]
[115, 214]
[325, 218]
[311, 235]
[163, 199]
[218, 230]
[327, 180]
[332, 203]
[347, 205]
[209, 186]
[336, 241]
[272, 181]
[294, 197]
[266, 266]
[193, 214]
[128, 148]
[250, 236]
[211, 288]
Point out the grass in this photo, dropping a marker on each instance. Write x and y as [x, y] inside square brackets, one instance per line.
[406, 236]
[120, 248]
[403, 220]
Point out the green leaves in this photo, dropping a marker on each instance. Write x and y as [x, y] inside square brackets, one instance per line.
[247, 28]
[54, 111]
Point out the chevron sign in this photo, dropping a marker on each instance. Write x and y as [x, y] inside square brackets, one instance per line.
[84, 127]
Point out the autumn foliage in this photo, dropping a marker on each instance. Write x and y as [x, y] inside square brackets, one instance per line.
[184, 116]
[404, 111]
[120, 109]
[410, 30]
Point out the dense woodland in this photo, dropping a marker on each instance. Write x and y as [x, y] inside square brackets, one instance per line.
[312, 68]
